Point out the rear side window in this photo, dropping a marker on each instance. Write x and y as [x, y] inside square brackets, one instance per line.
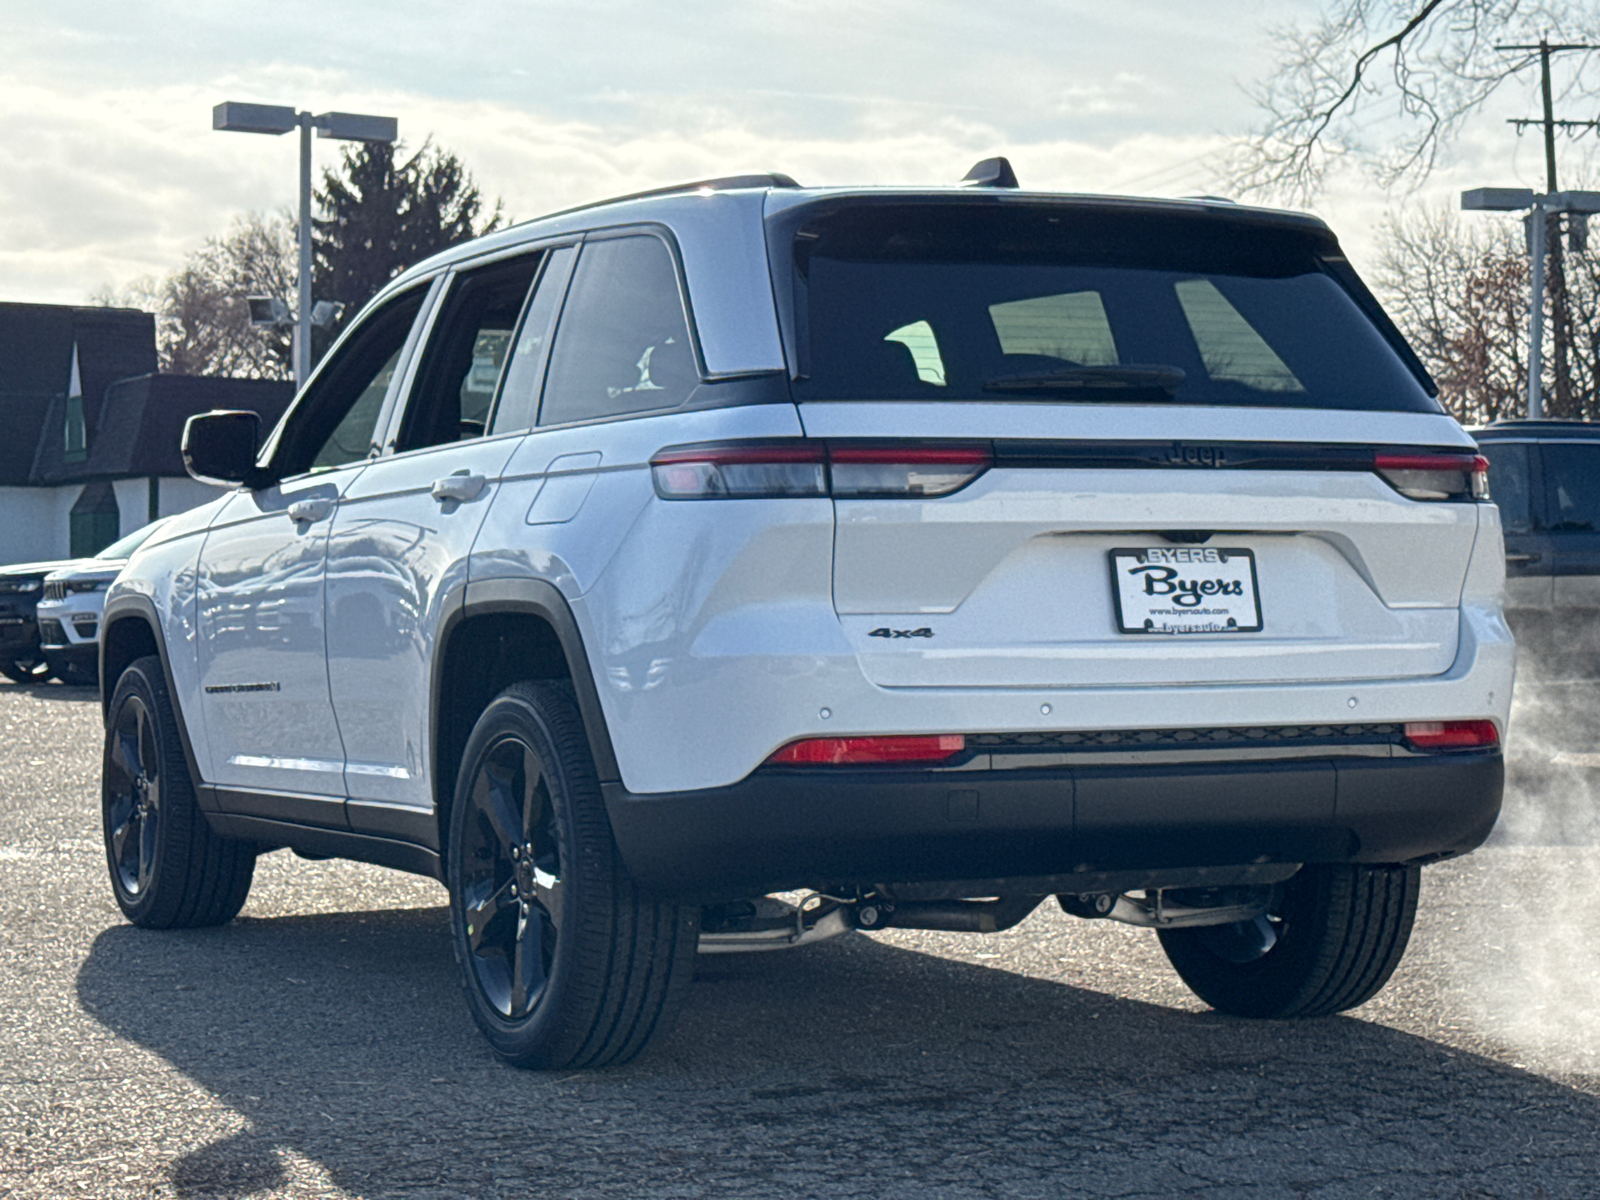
[1571, 486]
[1056, 304]
[622, 344]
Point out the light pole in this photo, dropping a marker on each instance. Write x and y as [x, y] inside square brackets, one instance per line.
[1541, 209]
[279, 119]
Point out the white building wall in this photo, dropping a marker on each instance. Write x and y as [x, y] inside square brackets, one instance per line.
[133, 504]
[180, 494]
[177, 495]
[33, 523]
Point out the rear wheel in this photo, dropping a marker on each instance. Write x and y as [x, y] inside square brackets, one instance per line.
[564, 962]
[168, 869]
[1331, 939]
[30, 668]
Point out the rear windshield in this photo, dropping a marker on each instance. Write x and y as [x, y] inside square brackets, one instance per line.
[1047, 303]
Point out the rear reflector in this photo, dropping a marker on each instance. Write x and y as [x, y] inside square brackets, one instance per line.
[742, 470]
[842, 751]
[1451, 735]
[1435, 476]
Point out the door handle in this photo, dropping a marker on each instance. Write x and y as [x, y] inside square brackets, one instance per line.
[311, 510]
[1518, 559]
[460, 486]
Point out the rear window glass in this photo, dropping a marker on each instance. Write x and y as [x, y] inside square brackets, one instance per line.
[990, 302]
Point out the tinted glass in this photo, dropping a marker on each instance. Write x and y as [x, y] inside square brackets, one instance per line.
[519, 394]
[1571, 486]
[334, 422]
[623, 342]
[1509, 484]
[1005, 302]
[466, 354]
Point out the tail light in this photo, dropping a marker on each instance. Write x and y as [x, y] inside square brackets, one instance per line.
[1451, 735]
[741, 470]
[845, 751]
[1435, 476]
[905, 470]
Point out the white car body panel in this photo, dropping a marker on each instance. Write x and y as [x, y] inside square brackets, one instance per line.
[395, 557]
[262, 642]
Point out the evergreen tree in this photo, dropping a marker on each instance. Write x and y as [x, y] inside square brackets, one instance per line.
[382, 214]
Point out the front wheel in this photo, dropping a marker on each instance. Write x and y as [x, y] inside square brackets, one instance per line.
[564, 963]
[1330, 940]
[168, 869]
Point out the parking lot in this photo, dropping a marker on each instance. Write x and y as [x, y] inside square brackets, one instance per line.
[319, 1047]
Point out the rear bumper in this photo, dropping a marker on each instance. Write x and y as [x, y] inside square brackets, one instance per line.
[785, 829]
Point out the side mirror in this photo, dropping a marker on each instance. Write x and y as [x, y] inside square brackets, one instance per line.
[220, 448]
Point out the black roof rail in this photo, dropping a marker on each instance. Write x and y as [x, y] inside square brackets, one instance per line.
[726, 183]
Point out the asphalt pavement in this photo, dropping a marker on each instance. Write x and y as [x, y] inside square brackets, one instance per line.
[318, 1046]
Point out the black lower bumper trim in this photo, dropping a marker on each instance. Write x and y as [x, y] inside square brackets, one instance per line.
[783, 829]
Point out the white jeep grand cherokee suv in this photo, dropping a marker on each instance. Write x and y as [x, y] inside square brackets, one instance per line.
[933, 552]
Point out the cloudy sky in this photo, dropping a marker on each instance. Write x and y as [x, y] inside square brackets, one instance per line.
[109, 169]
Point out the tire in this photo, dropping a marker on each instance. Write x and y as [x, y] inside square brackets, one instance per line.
[78, 675]
[1340, 931]
[564, 962]
[168, 869]
[30, 668]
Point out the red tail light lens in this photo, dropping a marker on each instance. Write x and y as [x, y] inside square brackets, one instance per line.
[1452, 735]
[1435, 476]
[845, 751]
[743, 470]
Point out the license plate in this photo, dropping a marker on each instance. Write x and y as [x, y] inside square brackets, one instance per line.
[1185, 589]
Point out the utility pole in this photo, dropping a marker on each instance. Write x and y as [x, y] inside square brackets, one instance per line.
[1541, 245]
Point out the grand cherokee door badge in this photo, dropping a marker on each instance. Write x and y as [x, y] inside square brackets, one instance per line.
[216, 688]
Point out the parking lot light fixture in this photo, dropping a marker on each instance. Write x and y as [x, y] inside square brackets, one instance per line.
[234, 117]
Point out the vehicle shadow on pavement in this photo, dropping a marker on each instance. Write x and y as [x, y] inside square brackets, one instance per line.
[852, 1068]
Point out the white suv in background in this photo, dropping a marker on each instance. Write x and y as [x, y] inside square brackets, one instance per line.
[933, 551]
[69, 614]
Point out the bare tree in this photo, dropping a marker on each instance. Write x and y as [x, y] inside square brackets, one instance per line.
[1460, 294]
[202, 318]
[1388, 84]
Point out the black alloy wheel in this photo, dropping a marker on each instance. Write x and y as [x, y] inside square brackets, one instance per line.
[169, 870]
[564, 963]
[132, 792]
[511, 889]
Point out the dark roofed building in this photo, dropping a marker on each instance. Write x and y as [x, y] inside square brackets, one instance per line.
[89, 432]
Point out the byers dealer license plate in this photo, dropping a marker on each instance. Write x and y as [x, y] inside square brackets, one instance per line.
[1185, 589]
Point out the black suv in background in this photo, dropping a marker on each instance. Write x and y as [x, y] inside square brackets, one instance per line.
[1545, 476]
[21, 585]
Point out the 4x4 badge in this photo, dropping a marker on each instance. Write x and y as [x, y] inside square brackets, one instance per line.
[900, 633]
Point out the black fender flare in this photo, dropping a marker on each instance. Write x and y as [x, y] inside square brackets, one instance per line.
[541, 599]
